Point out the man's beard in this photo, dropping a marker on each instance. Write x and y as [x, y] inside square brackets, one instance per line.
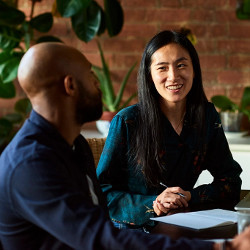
[88, 110]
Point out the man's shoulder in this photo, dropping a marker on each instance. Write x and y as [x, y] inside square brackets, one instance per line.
[29, 144]
[22, 150]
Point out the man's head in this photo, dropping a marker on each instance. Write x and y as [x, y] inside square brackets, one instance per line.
[56, 76]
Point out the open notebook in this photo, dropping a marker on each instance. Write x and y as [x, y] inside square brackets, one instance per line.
[201, 219]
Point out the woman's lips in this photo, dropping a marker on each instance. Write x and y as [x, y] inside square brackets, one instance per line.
[174, 87]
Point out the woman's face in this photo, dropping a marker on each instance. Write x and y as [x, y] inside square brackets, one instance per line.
[172, 73]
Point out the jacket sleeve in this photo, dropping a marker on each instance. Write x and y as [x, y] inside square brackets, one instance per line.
[124, 188]
[219, 162]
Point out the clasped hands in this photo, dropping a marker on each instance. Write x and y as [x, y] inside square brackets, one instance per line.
[170, 199]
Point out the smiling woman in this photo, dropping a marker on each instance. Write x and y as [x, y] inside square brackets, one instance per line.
[172, 73]
[169, 137]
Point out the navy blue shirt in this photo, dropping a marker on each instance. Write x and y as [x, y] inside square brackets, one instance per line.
[45, 199]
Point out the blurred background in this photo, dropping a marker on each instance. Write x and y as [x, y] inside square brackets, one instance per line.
[221, 38]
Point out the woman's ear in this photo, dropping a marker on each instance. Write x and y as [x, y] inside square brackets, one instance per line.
[69, 85]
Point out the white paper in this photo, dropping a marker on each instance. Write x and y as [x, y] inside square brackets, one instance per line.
[201, 219]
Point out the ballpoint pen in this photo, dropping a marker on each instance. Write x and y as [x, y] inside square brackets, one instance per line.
[182, 195]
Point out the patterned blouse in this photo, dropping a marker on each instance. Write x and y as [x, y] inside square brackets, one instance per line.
[130, 200]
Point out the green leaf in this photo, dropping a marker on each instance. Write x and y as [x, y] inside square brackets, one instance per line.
[107, 84]
[103, 86]
[5, 127]
[243, 10]
[86, 23]
[242, 15]
[4, 56]
[100, 75]
[247, 113]
[114, 16]
[9, 38]
[102, 26]
[245, 101]
[7, 90]
[246, 6]
[43, 22]
[14, 118]
[8, 69]
[10, 16]
[23, 106]
[121, 90]
[68, 8]
[224, 103]
[28, 34]
[44, 39]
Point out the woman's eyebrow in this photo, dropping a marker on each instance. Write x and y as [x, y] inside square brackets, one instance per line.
[183, 58]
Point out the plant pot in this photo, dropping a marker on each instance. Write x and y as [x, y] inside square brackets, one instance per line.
[231, 122]
[104, 123]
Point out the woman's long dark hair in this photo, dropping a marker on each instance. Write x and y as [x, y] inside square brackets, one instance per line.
[147, 140]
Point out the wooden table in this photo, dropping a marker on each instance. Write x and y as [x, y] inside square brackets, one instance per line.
[175, 232]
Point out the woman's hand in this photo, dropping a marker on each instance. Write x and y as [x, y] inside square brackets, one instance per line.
[170, 199]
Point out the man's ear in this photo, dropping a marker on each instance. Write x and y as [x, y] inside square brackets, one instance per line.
[69, 85]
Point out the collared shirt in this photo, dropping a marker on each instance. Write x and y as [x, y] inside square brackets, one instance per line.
[46, 202]
[130, 199]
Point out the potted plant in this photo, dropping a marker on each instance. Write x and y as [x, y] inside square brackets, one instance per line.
[112, 102]
[19, 31]
[243, 9]
[231, 113]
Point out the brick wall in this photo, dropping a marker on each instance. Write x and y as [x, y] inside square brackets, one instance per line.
[223, 40]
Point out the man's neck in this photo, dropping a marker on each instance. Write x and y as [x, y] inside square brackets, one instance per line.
[63, 121]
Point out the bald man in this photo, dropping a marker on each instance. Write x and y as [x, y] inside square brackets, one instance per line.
[49, 194]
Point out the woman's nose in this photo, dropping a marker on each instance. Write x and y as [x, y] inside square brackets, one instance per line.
[172, 74]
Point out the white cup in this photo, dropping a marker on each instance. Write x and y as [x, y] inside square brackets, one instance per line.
[243, 218]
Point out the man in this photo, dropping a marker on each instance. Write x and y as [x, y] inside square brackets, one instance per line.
[49, 194]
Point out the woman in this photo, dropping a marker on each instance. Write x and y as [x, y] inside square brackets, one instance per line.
[168, 138]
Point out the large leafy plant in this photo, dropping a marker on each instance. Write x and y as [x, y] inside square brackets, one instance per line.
[88, 19]
[225, 104]
[18, 32]
[111, 101]
[243, 9]
[10, 123]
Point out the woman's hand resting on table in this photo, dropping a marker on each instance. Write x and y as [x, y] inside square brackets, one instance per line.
[169, 199]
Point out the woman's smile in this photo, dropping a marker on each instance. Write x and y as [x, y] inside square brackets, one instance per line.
[174, 88]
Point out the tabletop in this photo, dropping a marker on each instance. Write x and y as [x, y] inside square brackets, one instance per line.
[175, 232]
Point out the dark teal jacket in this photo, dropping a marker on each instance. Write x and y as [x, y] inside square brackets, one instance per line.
[130, 200]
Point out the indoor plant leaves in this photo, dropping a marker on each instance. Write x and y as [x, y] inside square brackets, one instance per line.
[9, 37]
[8, 70]
[7, 90]
[68, 8]
[10, 15]
[114, 16]
[86, 23]
[43, 22]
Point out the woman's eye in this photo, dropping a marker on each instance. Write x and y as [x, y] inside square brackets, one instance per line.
[181, 65]
[162, 68]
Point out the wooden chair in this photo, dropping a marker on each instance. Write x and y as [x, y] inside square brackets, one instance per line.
[96, 145]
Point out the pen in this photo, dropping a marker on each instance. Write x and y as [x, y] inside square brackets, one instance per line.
[182, 195]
